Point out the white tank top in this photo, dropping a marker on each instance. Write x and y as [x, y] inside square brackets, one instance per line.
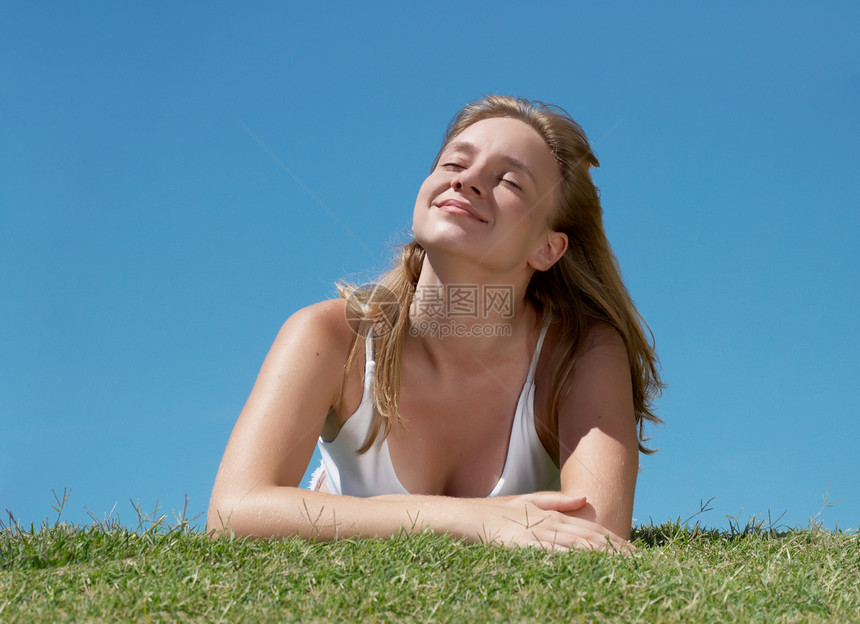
[528, 467]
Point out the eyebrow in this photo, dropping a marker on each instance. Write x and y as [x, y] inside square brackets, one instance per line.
[513, 161]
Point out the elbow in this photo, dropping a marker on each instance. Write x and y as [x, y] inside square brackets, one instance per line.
[228, 519]
[218, 517]
[228, 511]
[623, 531]
[619, 524]
[267, 512]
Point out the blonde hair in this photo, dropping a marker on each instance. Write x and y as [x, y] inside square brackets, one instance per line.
[580, 290]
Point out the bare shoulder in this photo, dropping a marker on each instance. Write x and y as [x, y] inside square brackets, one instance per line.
[323, 325]
[600, 369]
[316, 339]
[330, 313]
[601, 341]
[602, 366]
[605, 340]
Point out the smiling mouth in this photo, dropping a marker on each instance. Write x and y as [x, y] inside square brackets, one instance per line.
[457, 208]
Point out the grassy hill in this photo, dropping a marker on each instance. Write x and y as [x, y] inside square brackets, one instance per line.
[680, 573]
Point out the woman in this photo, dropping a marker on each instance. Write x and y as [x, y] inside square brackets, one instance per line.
[490, 387]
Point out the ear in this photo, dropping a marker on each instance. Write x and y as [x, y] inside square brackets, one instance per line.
[550, 252]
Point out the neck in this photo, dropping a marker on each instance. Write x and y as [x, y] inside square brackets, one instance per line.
[460, 316]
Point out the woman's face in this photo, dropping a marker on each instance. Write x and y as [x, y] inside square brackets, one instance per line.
[490, 196]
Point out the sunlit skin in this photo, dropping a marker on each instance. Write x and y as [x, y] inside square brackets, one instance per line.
[488, 202]
[482, 216]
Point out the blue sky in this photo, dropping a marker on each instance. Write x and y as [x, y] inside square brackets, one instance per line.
[177, 180]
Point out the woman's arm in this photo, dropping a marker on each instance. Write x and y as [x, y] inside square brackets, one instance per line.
[256, 490]
[598, 445]
[274, 437]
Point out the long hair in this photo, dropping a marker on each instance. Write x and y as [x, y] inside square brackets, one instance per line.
[583, 288]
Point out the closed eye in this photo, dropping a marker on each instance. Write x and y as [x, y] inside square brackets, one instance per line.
[511, 183]
[451, 166]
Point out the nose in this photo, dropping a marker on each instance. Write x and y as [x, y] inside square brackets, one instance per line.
[468, 182]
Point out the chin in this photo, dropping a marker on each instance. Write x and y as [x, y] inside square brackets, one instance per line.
[443, 241]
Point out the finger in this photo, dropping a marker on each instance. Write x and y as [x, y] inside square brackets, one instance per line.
[589, 539]
[610, 546]
[551, 543]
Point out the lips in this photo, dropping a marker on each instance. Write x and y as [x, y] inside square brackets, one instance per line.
[455, 206]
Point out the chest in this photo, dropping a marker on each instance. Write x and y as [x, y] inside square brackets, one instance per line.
[454, 434]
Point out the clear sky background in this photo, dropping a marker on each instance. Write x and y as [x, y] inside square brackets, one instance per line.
[176, 179]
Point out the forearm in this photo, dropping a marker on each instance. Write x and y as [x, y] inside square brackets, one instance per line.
[282, 511]
[537, 519]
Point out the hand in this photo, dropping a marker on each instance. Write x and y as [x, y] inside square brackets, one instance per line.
[540, 519]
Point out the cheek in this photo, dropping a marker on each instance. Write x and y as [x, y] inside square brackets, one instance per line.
[531, 224]
[422, 201]
[432, 186]
[424, 189]
[422, 194]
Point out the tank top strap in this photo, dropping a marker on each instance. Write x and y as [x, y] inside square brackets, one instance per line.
[368, 346]
[536, 355]
[369, 368]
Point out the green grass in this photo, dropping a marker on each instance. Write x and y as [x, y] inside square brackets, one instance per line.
[680, 573]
